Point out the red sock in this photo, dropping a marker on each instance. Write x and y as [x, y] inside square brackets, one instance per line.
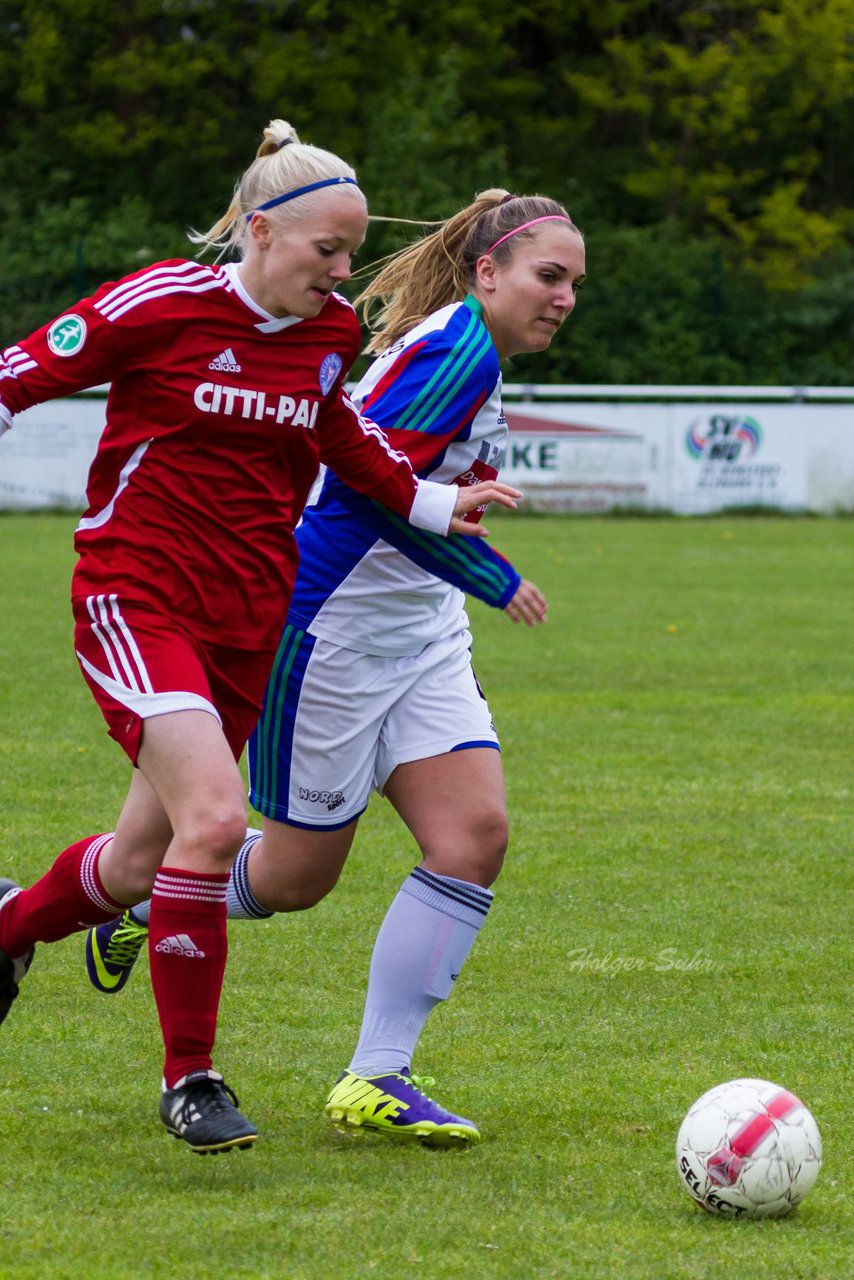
[68, 898]
[187, 947]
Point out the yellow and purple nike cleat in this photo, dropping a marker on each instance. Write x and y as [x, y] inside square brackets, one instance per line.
[112, 950]
[396, 1105]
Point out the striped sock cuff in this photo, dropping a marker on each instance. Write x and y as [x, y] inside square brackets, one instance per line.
[91, 881]
[179, 885]
[241, 901]
[457, 898]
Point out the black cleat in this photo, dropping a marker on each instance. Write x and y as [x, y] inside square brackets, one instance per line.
[202, 1110]
[12, 968]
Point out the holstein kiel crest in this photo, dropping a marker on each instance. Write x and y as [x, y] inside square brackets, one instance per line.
[330, 368]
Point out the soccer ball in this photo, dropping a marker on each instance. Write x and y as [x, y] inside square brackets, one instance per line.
[748, 1149]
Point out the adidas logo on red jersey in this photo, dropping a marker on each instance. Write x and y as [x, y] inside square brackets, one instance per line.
[226, 362]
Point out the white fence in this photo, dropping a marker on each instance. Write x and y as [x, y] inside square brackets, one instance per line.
[588, 449]
[682, 449]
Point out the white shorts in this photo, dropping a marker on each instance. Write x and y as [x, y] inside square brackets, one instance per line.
[336, 724]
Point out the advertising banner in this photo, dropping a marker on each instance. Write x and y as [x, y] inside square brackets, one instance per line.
[682, 456]
[585, 455]
[581, 457]
[728, 456]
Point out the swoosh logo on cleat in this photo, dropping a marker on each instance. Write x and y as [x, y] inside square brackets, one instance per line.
[109, 981]
[356, 1094]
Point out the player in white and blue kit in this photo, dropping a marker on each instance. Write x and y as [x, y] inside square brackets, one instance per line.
[376, 611]
[373, 686]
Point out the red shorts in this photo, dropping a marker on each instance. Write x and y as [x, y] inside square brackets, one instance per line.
[140, 663]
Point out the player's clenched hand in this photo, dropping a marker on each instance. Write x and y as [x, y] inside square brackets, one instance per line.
[528, 605]
[473, 497]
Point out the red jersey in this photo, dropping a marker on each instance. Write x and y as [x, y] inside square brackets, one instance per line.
[217, 419]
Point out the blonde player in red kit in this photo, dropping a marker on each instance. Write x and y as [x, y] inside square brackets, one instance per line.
[226, 394]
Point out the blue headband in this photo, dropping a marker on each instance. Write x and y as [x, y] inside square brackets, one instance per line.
[300, 191]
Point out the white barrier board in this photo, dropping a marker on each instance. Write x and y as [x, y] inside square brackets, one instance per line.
[689, 457]
[45, 457]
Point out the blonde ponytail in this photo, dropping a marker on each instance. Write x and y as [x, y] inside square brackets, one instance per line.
[282, 163]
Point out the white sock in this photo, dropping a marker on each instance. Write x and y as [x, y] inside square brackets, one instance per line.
[240, 901]
[420, 949]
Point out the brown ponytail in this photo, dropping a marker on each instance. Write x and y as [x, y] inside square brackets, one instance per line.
[440, 267]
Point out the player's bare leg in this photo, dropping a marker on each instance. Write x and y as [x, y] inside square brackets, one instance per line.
[292, 869]
[190, 769]
[143, 832]
[87, 881]
[277, 868]
[454, 806]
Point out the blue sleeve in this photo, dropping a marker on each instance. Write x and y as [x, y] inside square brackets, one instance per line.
[468, 563]
[435, 387]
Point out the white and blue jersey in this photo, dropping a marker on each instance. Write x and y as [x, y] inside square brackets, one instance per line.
[367, 580]
[374, 665]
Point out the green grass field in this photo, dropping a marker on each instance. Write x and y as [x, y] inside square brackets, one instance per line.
[675, 912]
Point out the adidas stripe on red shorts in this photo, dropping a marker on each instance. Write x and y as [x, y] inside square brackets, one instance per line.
[140, 663]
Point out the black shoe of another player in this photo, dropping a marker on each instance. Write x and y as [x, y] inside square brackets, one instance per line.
[202, 1110]
[12, 968]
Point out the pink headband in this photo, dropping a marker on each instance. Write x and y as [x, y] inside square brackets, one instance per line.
[549, 217]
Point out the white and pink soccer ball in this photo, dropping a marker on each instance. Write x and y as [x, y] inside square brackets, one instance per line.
[748, 1149]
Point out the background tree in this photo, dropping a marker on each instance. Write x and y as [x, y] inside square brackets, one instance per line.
[704, 149]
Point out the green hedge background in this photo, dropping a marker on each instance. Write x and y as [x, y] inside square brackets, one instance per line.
[703, 148]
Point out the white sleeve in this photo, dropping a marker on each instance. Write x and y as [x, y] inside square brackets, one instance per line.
[433, 506]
